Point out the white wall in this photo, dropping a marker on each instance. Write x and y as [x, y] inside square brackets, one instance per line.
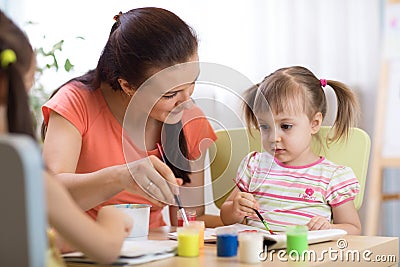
[336, 39]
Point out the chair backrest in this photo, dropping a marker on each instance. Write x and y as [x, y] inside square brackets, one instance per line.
[23, 239]
[234, 144]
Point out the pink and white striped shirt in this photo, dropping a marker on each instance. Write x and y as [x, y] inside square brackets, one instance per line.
[294, 194]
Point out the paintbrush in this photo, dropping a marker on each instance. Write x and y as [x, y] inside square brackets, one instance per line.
[176, 196]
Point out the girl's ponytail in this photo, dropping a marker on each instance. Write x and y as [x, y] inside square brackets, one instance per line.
[248, 106]
[348, 110]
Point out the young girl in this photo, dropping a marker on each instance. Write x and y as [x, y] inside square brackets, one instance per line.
[100, 240]
[288, 183]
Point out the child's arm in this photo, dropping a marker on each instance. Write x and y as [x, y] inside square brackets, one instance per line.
[101, 240]
[345, 217]
[237, 206]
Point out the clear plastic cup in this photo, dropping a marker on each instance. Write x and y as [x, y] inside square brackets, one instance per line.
[190, 214]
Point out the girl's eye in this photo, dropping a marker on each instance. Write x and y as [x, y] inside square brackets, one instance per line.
[286, 126]
[264, 127]
[170, 95]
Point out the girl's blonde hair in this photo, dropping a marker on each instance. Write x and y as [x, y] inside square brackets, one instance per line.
[296, 89]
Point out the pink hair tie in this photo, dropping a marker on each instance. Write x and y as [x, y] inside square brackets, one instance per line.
[323, 82]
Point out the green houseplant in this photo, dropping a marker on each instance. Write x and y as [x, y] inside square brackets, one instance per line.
[39, 94]
[48, 59]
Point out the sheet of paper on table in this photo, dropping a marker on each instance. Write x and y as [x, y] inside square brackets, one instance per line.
[134, 252]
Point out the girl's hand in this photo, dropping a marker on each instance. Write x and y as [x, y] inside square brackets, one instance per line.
[150, 178]
[111, 215]
[319, 223]
[243, 204]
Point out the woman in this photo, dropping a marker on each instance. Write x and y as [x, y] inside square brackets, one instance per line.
[101, 240]
[97, 154]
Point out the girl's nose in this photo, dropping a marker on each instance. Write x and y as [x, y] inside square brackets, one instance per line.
[274, 136]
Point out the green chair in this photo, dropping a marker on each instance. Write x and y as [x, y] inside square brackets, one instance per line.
[234, 144]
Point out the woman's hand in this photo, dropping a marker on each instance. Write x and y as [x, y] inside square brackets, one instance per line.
[152, 179]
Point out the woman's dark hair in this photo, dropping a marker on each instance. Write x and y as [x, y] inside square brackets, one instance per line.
[143, 40]
[176, 151]
[19, 115]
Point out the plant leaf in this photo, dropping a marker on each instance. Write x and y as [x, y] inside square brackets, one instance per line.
[58, 46]
[68, 65]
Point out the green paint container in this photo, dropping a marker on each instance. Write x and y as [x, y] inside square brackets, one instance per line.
[296, 241]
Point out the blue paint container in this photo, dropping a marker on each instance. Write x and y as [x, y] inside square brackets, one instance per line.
[227, 241]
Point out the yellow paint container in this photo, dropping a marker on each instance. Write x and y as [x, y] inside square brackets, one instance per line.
[188, 241]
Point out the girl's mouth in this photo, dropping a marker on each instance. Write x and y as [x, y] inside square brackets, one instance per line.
[278, 151]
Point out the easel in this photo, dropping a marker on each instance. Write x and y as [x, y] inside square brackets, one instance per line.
[379, 162]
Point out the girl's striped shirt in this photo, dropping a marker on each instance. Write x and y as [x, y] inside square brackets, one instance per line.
[295, 194]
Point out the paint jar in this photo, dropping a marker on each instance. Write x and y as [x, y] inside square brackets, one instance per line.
[190, 214]
[250, 247]
[200, 226]
[140, 214]
[188, 241]
[296, 241]
[227, 241]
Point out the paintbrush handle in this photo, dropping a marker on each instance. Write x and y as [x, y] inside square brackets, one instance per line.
[177, 198]
[261, 218]
[184, 217]
[181, 210]
[263, 221]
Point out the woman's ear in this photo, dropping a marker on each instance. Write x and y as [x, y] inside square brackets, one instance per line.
[126, 87]
[316, 122]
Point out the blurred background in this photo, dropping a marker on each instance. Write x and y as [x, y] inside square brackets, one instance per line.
[336, 39]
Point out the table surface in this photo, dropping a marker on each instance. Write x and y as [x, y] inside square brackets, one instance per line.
[360, 251]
